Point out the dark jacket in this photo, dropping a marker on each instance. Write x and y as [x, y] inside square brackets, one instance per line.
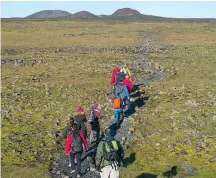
[80, 119]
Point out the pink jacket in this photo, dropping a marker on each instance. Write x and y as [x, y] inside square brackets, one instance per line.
[115, 71]
[68, 143]
[128, 83]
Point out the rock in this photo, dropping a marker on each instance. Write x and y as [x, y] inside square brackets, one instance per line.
[123, 138]
[157, 144]
[214, 118]
[131, 129]
[58, 172]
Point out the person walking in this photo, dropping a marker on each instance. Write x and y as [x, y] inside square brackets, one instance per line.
[117, 109]
[73, 147]
[80, 119]
[94, 125]
[109, 155]
[122, 91]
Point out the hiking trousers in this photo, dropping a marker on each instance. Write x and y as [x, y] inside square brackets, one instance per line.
[109, 172]
[117, 114]
[78, 159]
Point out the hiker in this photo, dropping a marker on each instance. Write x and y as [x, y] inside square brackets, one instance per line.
[126, 71]
[109, 155]
[122, 91]
[94, 125]
[128, 83]
[117, 109]
[73, 147]
[115, 71]
[80, 119]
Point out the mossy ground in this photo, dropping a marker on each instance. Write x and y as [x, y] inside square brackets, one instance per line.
[175, 125]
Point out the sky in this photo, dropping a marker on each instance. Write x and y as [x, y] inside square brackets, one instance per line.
[176, 9]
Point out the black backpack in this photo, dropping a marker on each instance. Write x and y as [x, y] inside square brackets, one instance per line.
[76, 143]
[111, 152]
[120, 76]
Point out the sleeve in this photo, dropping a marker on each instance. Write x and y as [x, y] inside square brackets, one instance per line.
[99, 154]
[67, 144]
[97, 114]
[126, 91]
[84, 140]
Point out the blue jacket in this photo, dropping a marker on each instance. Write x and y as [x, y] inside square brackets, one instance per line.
[124, 94]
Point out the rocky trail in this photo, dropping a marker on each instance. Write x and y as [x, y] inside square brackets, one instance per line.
[60, 169]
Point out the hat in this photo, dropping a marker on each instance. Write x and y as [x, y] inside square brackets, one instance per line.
[79, 109]
[94, 106]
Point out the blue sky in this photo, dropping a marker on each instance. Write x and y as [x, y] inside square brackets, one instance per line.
[181, 9]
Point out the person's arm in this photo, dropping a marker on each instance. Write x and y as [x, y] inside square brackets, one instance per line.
[84, 140]
[126, 91]
[67, 144]
[99, 154]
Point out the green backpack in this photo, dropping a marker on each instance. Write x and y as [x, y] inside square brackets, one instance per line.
[111, 151]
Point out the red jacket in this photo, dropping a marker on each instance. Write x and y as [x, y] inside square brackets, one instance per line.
[68, 143]
[129, 84]
[115, 70]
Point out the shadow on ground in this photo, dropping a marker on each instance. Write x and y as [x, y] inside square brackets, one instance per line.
[168, 174]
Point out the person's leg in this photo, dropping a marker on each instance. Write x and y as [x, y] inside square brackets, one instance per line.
[105, 172]
[114, 173]
[72, 157]
[116, 115]
[78, 165]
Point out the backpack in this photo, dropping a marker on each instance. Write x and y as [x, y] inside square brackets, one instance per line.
[118, 89]
[76, 143]
[120, 76]
[117, 103]
[111, 152]
[91, 117]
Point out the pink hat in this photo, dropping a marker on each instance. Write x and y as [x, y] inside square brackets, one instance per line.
[79, 109]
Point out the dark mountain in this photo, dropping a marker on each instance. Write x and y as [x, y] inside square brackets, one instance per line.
[83, 15]
[126, 12]
[49, 14]
[131, 14]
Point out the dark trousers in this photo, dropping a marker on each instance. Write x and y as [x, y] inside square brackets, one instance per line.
[78, 159]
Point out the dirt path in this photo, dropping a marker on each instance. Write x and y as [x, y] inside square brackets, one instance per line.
[60, 169]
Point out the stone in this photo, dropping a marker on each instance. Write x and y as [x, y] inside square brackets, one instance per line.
[131, 129]
[58, 172]
[214, 118]
[123, 138]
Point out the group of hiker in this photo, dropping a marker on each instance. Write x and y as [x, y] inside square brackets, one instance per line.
[109, 154]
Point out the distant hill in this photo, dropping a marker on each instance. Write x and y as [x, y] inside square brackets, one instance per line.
[83, 15]
[131, 14]
[49, 14]
[126, 12]
[120, 14]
